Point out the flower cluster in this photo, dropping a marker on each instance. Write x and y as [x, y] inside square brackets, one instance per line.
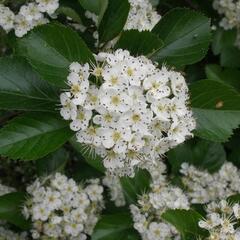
[115, 188]
[61, 209]
[142, 16]
[6, 234]
[147, 215]
[222, 221]
[136, 114]
[203, 187]
[230, 9]
[28, 17]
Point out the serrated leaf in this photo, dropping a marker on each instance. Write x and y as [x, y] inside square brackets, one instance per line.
[216, 108]
[51, 48]
[22, 89]
[139, 43]
[132, 187]
[227, 75]
[117, 226]
[88, 154]
[203, 154]
[10, 209]
[186, 35]
[33, 135]
[185, 221]
[113, 20]
[54, 162]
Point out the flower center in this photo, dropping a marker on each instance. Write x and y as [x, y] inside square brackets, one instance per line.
[98, 72]
[114, 80]
[108, 118]
[136, 118]
[116, 136]
[115, 100]
[75, 89]
[130, 72]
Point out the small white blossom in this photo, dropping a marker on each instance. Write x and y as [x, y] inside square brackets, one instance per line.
[61, 209]
[133, 116]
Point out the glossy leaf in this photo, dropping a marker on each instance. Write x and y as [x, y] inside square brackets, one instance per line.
[186, 35]
[10, 209]
[117, 226]
[139, 43]
[70, 13]
[203, 154]
[54, 162]
[113, 20]
[132, 187]
[33, 135]
[22, 89]
[51, 48]
[226, 75]
[217, 109]
[95, 6]
[185, 221]
[223, 39]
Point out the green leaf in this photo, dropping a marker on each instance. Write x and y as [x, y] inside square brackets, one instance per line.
[10, 209]
[203, 154]
[234, 199]
[185, 221]
[217, 109]
[51, 48]
[139, 43]
[117, 226]
[95, 6]
[88, 154]
[69, 12]
[22, 89]
[230, 57]
[223, 39]
[228, 75]
[132, 187]
[33, 135]
[186, 35]
[54, 162]
[113, 20]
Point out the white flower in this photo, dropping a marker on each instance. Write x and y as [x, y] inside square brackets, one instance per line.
[82, 120]
[61, 209]
[92, 101]
[116, 137]
[48, 6]
[91, 136]
[161, 197]
[69, 109]
[142, 16]
[161, 109]
[158, 231]
[135, 113]
[30, 12]
[79, 86]
[236, 210]
[6, 18]
[114, 101]
[73, 229]
[22, 25]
